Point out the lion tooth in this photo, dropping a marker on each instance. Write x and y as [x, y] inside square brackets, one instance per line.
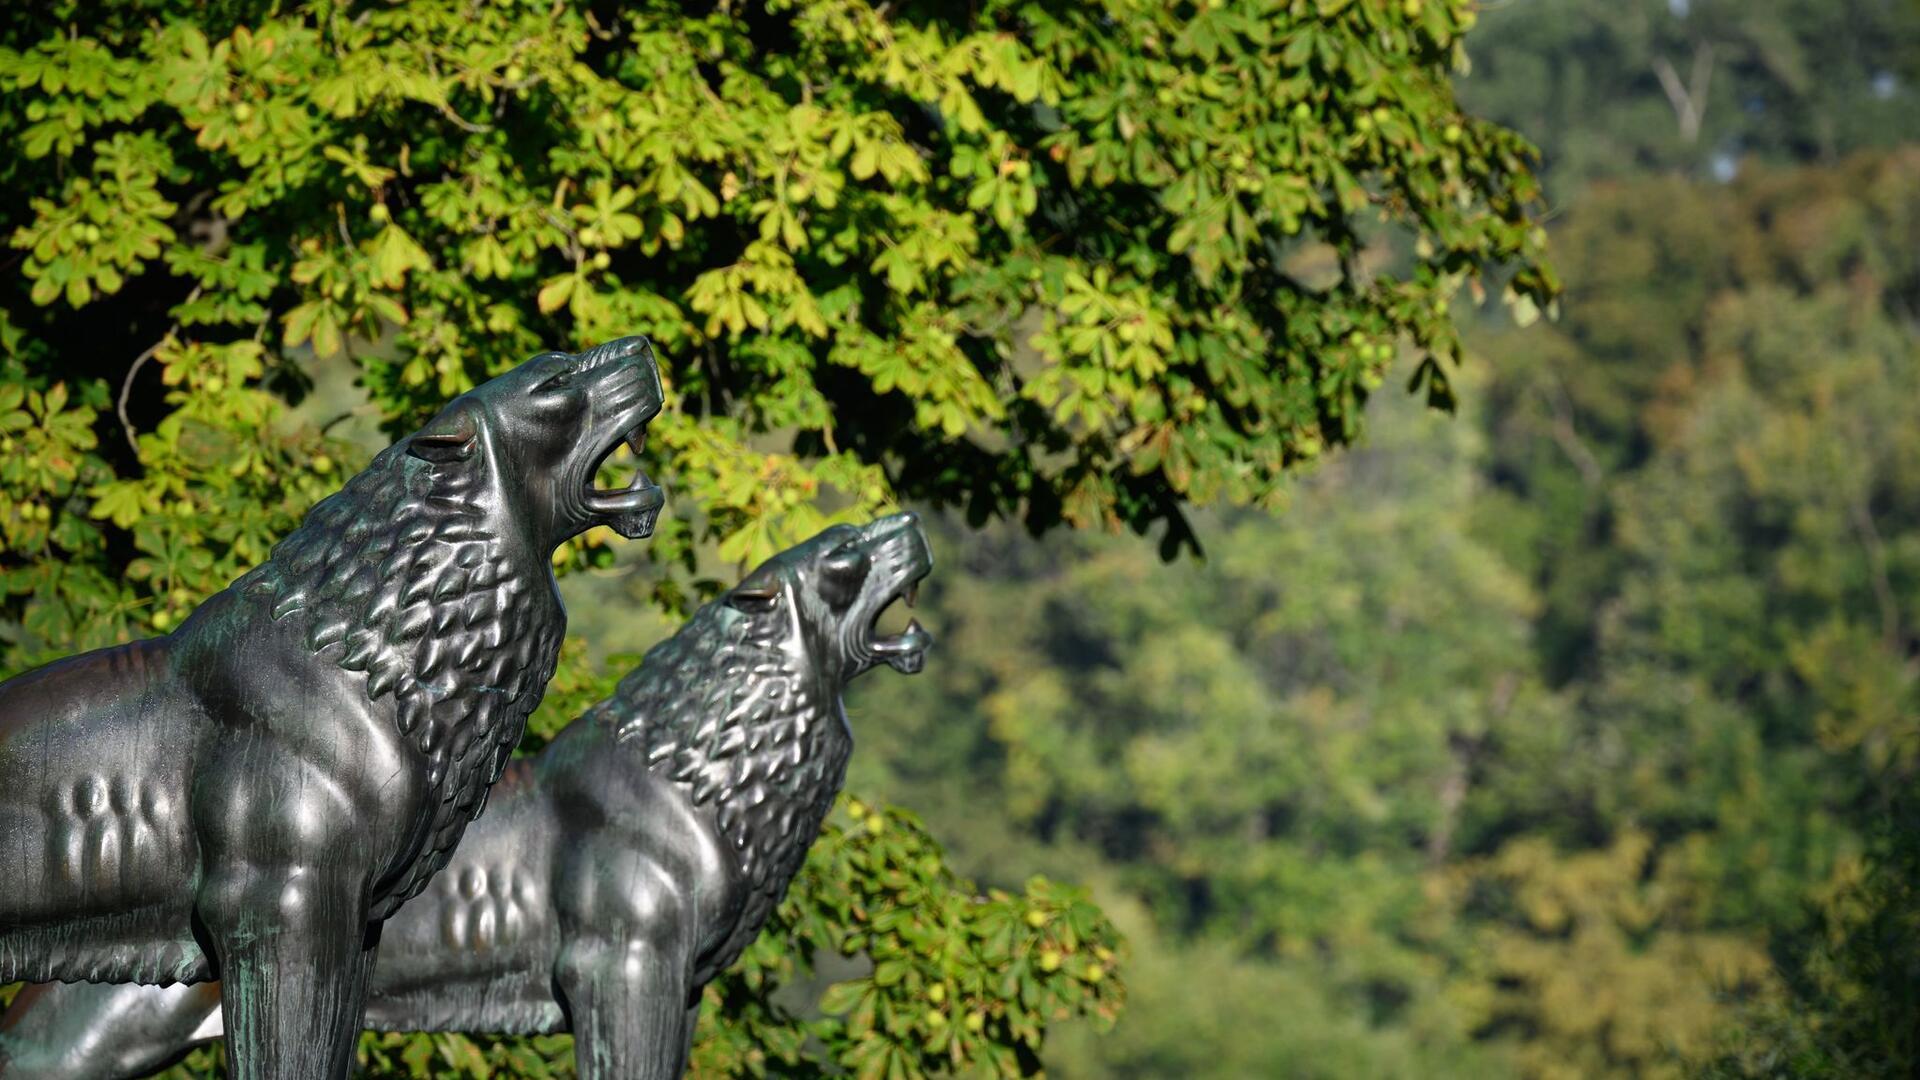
[913, 593]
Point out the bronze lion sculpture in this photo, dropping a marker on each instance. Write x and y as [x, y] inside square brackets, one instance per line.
[621, 868]
[249, 796]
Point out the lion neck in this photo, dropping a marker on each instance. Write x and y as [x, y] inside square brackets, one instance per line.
[749, 730]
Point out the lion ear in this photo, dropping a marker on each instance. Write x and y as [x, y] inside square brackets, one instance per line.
[844, 561]
[754, 595]
[453, 436]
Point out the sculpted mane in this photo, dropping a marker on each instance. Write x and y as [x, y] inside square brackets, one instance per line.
[743, 722]
[401, 575]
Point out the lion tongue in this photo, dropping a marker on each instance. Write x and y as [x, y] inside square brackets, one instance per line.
[905, 652]
[632, 512]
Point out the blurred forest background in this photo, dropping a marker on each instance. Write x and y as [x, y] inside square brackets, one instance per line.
[1573, 734]
[1569, 736]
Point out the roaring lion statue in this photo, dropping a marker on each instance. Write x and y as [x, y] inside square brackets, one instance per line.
[620, 869]
[249, 796]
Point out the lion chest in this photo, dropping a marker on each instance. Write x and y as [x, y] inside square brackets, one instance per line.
[766, 805]
[417, 579]
[456, 656]
[465, 710]
[748, 728]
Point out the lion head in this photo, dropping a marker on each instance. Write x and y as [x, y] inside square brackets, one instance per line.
[742, 706]
[826, 595]
[548, 425]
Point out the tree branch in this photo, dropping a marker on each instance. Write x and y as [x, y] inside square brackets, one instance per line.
[1462, 750]
[1689, 101]
[1877, 571]
[126, 384]
[1568, 437]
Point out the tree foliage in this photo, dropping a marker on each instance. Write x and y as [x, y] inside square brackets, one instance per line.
[1059, 262]
[1031, 261]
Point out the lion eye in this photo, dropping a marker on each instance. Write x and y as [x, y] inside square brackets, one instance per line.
[558, 381]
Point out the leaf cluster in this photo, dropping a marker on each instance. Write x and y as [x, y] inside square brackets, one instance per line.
[1032, 260]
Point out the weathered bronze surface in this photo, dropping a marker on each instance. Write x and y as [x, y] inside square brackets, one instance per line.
[250, 795]
[623, 867]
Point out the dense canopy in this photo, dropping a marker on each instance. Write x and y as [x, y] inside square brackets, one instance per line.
[1080, 262]
[1061, 262]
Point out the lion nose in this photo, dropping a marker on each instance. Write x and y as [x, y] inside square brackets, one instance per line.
[904, 521]
[635, 347]
[652, 368]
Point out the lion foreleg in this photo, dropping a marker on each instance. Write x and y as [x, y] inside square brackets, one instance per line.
[691, 1026]
[627, 997]
[293, 973]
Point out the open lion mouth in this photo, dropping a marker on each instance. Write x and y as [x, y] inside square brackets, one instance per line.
[633, 510]
[905, 651]
[631, 397]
